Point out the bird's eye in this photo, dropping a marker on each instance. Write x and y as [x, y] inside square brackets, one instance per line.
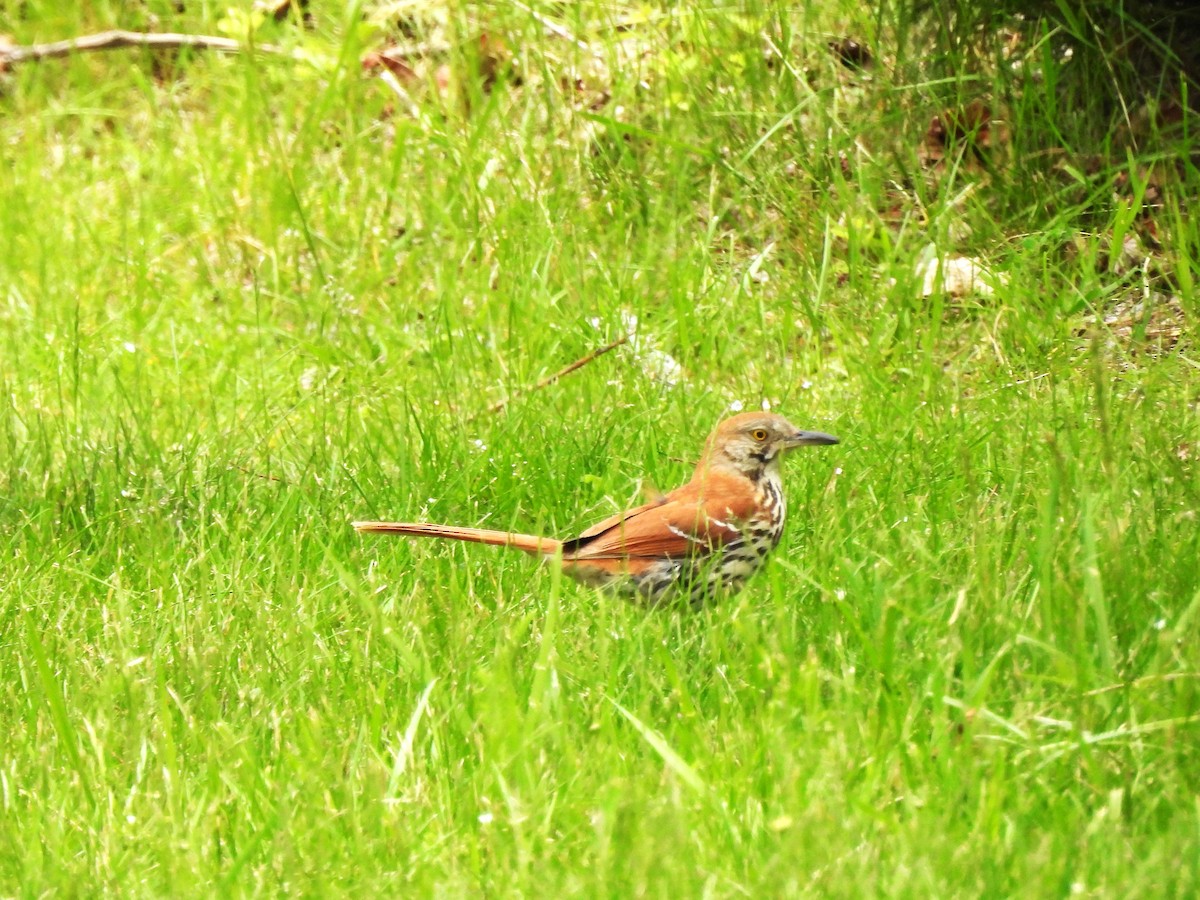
[759, 434]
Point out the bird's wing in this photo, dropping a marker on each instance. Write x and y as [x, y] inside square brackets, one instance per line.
[617, 519]
[694, 519]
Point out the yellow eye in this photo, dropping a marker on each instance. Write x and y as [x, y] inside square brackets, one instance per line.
[759, 434]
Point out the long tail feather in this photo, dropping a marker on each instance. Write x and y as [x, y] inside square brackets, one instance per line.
[529, 543]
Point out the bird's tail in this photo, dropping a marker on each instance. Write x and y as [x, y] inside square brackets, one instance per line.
[529, 543]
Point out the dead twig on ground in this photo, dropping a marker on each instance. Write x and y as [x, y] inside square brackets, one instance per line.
[254, 474]
[115, 40]
[553, 27]
[566, 370]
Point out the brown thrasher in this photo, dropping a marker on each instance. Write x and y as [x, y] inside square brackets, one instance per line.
[699, 541]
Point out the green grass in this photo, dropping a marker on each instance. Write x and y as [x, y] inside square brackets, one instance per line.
[252, 300]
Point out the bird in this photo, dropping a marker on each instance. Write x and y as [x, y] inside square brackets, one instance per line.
[693, 545]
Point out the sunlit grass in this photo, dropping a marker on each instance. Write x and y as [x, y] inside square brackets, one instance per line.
[248, 303]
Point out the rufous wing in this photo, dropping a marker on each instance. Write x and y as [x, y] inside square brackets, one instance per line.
[698, 518]
[615, 520]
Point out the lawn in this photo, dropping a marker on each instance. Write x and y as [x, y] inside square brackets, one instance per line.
[246, 299]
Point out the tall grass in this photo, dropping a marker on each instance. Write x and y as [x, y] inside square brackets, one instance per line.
[248, 299]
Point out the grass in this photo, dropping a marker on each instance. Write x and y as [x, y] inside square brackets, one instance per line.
[247, 300]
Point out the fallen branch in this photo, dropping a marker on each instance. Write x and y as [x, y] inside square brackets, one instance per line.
[566, 370]
[553, 27]
[115, 40]
[254, 474]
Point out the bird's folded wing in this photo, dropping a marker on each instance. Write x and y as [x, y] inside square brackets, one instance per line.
[613, 520]
[674, 529]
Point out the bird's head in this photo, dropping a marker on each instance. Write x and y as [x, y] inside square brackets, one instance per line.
[752, 442]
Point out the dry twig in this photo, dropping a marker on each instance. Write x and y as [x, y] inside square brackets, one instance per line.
[254, 474]
[115, 40]
[553, 27]
[566, 370]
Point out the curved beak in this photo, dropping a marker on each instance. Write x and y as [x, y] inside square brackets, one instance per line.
[810, 438]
